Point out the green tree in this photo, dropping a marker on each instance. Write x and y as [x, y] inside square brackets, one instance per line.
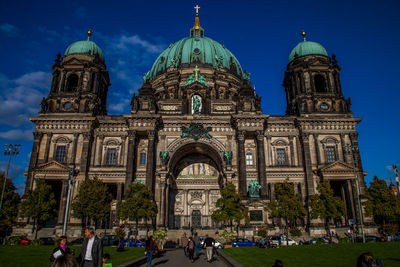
[287, 206]
[138, 204]
[229, 207]
[9, 210]
[40, 204]
[326, 206]
[92, 202]
[382, 204]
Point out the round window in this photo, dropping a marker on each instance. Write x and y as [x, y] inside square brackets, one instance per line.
[196, 51]
[324, 106]
[67, 105]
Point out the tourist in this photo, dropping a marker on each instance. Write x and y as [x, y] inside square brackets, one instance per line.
[61, 248]
[66, 260]
[366, 260]
[151, 248]
[196, 240]
[183, 243]
[190, 249]
[209, 244]
[92, 250]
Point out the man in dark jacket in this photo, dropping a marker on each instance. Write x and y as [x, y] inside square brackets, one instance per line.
[92, 250]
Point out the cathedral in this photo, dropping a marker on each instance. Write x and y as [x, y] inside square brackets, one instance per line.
[196, 125]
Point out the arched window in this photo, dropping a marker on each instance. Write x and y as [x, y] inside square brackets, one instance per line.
[319, 82]
[249, 158]
[72, 83]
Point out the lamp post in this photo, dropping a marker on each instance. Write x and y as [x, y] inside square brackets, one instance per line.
[351, 150]
[9, 150]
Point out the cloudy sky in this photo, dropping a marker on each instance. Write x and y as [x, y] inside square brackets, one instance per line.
[363, 35]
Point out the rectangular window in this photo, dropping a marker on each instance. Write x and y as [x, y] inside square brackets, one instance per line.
[330, 154]
[256, 215]
[111, 156]
[281, 156]
[61, 152]
[249, 159]
[142, 160]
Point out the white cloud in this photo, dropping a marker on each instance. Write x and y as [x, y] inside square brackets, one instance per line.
[17, 135]
[21, 97]
[8, 28]
[125, 42]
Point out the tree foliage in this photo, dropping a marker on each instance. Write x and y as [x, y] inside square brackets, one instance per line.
[40, 204]
[288, 205]
[326, 206]
[9, 210]
[92, 202]
[382, 204]
[229, 207]
[138, 204]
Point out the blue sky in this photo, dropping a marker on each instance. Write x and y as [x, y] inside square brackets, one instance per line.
[364, 35]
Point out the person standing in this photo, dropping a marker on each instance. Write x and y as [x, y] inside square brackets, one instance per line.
[190, 249]
[61, 248]
[92, 250]
[196, 240]
[209, 244]
[150, 248]
[184, 241]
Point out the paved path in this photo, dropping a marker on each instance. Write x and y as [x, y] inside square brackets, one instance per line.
[176, 258]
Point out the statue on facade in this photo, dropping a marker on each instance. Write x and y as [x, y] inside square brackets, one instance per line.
[228, 157]
[44, 105]
[164, 156]
[254, 188]
[196, 104]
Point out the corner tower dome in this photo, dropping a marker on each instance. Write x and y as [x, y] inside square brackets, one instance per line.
[307, 48]
[85, 47]
[195, 50]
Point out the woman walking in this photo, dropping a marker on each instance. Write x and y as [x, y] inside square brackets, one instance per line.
[190, 248]
[61, 248]
[196, 240]
[150, 248]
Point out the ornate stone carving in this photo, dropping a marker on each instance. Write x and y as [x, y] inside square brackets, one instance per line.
[164, 156]
[196, 194]
[228, 157]
[254, 188]
[196, 131]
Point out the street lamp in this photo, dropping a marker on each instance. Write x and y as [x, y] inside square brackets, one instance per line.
[9, 150]
[350, 150]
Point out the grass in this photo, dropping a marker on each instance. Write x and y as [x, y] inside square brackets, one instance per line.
[27, 256]
[336, 255]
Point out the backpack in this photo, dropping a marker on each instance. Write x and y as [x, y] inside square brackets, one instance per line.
[191, 244]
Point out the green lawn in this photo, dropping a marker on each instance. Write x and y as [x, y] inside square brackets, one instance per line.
[336, 255]
[39, 256]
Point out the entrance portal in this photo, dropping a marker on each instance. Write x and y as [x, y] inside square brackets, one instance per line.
[196, 219]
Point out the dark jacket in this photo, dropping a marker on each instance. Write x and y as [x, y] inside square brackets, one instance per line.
[97, 252]
[67, 251]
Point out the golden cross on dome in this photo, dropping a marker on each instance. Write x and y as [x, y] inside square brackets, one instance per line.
[197, 9]
[196, 72]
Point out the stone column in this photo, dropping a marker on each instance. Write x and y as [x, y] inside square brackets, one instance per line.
[269, 154]
[37, 137]
[262, 179]
[63, 202]
[74, 145]
[150, 160]
[343, 143]
[309, 181]
[119, 191]
[317, 156]
[167, 207]
[299, 155]
[291, 146]
[358, 163]
[350, 199]
[242, 163]
[162, 201]
[47, 148]
[85, 159]
[99, 159]
[272, 192]
[131, 159]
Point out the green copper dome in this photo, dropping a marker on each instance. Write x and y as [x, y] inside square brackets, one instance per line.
[197, 50]
[307, 48]
[84, 47]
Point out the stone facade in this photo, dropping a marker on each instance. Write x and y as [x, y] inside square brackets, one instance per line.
[306, 146]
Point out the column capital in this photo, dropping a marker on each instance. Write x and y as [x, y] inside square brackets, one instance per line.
[260, 135]
[76, 135]
[240, 135]
[151, 134]
[37, 135]
[86, 136]
[131, 133]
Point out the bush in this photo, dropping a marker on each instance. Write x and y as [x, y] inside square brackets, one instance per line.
[390, 228]
[344, 240]
[159, 236]
[37, 242]
[263, 232]
[14, 240]
[228, 236]
[295, 232]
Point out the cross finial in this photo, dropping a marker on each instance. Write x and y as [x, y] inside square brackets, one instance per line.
[197, 9]
[196, 72]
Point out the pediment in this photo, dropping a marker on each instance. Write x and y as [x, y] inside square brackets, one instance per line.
[52, 166]
[337, 166]
[73, 61]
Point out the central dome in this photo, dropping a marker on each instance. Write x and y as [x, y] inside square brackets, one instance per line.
[195, 50]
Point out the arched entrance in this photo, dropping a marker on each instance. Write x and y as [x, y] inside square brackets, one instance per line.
[196, 177]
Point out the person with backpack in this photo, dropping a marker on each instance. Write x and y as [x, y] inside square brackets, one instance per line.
[209, 244]
[190, 249]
